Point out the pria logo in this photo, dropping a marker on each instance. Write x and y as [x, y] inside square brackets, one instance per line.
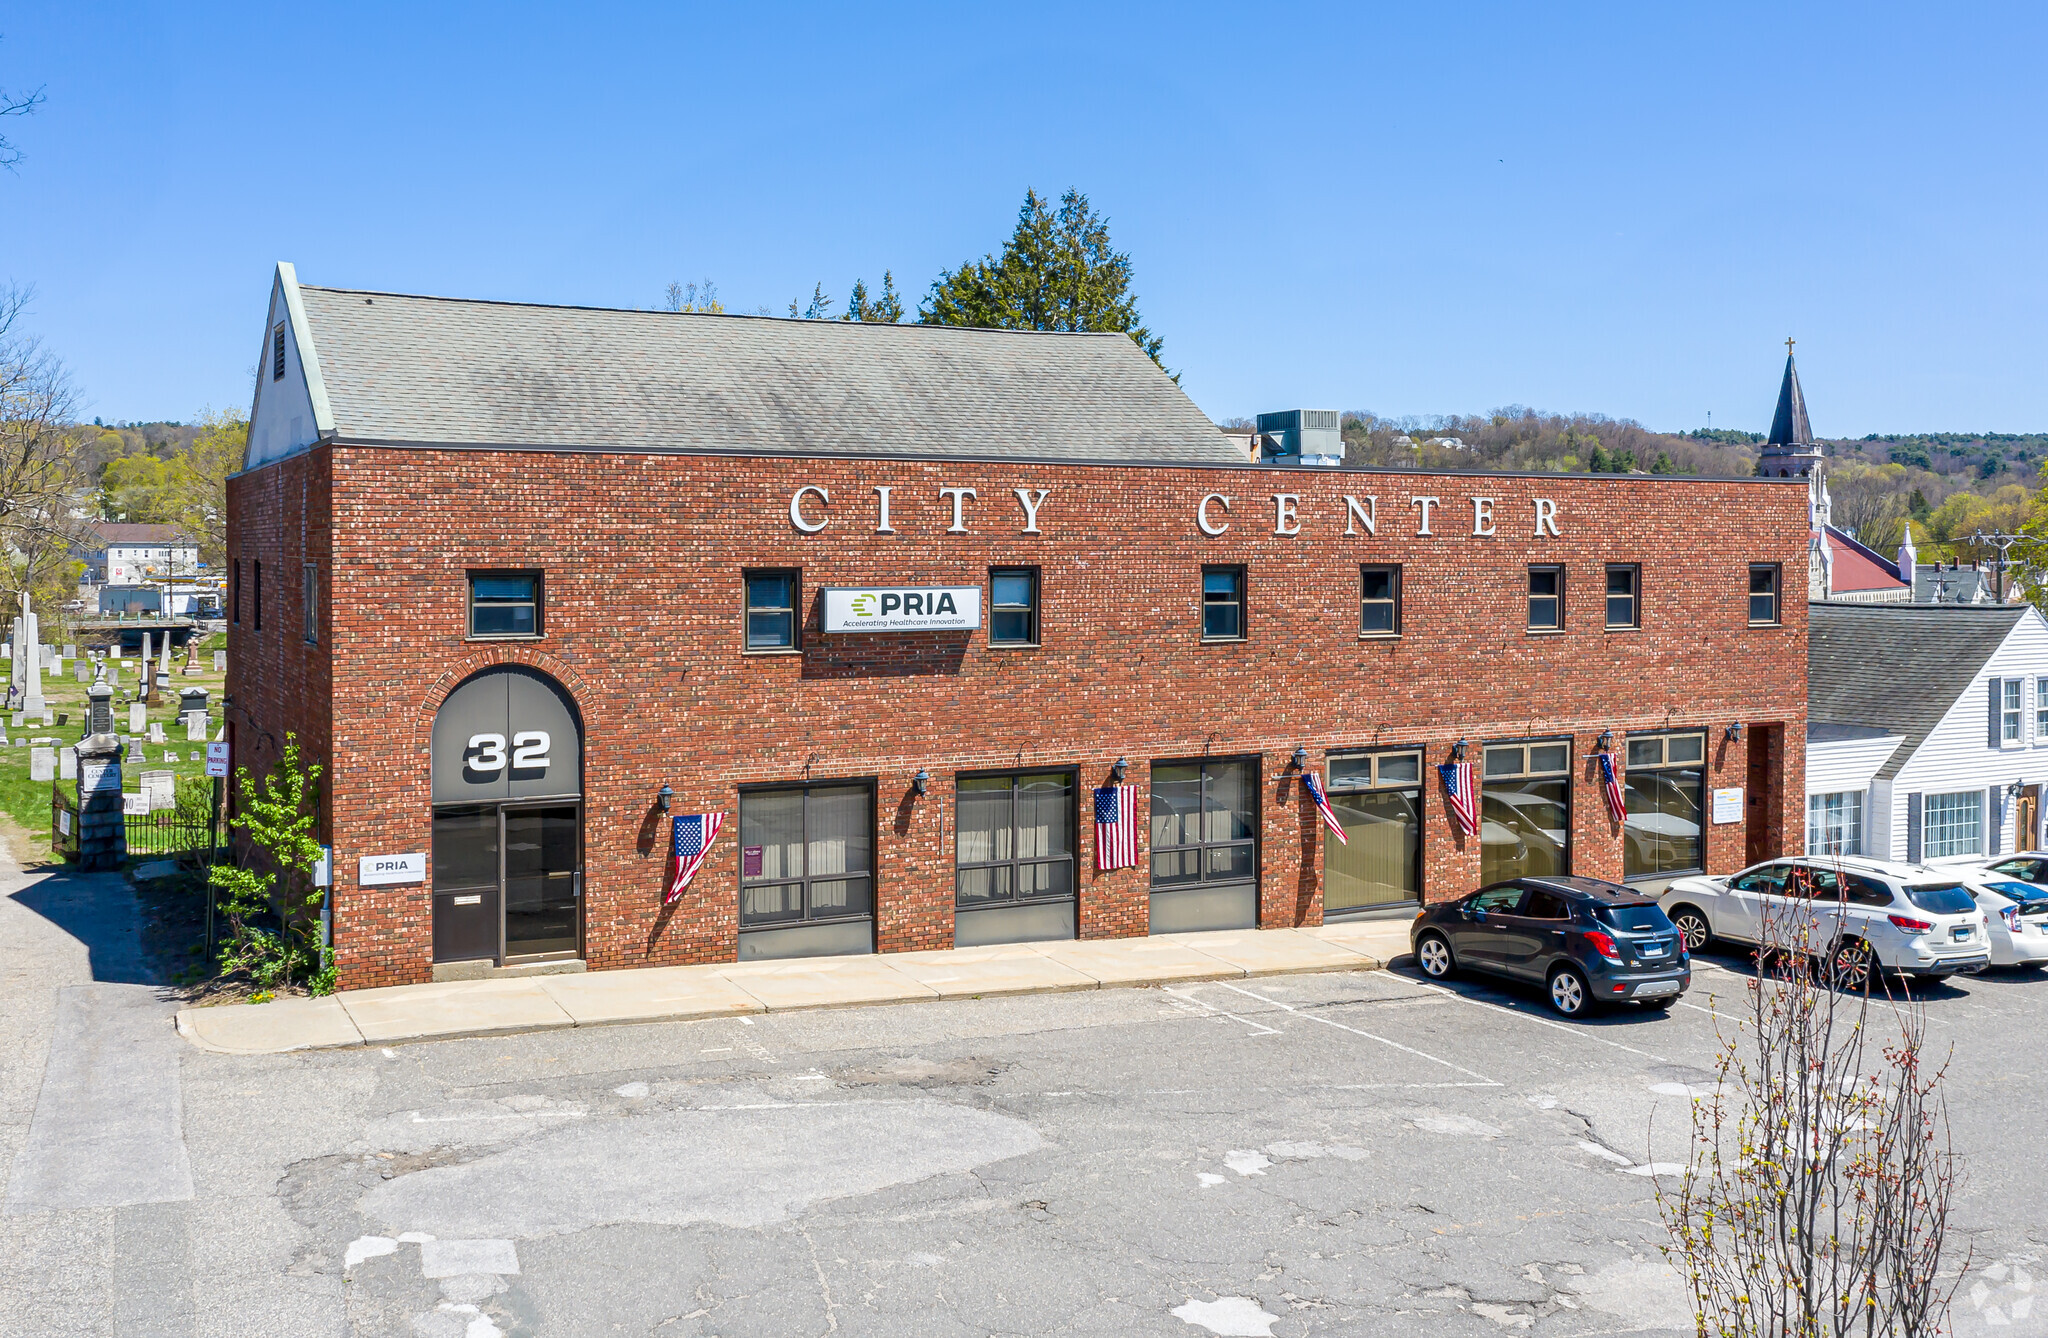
[863, 606]
[924, 603]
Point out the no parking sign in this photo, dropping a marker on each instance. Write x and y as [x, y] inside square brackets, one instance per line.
[216, 759]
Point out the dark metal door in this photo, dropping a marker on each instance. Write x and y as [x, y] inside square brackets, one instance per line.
[543, 880]
[466, 845]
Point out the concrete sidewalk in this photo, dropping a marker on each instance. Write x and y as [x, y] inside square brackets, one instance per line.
[675, 993]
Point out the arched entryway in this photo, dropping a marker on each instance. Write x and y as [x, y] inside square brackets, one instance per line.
[508, 820]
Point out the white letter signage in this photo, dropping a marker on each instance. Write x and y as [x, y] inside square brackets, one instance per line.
[1356, 515]
[959, 496]
[1482, 516]
[1032, 499]
[903, 608]
[386, 870]
[1424, 505]
[796, 508]
[1546, 517]
[1202, 514]
[1283, 513]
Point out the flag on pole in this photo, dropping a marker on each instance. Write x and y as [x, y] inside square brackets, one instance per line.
[1463, 792]
[1610, 784]
[1315, 790]
[693, 835]
[1116, 826]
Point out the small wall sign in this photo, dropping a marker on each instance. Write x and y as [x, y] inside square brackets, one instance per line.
[385, 870]
[904, 608]
[1728, 805]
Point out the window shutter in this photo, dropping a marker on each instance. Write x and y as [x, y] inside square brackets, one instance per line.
[1913, 828]
[1994, 812]
[1996, 684]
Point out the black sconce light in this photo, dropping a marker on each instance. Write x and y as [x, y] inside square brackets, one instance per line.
[1121, 767]
[662, 797]
[1606, 741]
[1458, 751]
[1301, 759]
[2013, 790]
[1733, 732]
[922, 779]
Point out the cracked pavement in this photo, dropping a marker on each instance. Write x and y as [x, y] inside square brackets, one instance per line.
[1351, 1153]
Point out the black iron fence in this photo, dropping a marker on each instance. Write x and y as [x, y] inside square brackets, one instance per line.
[171, 833]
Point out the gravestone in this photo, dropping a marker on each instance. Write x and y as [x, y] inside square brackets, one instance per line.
[170, 756]
[70, 652]
[163, 668]
[161, 789]
[17, 720]
[142, 676]
[220, 662]
[49, 719]
[192, 700]
[7, 650]
[138, 718]
[195, 726]
[32, 699]
[156, 731]
[82, 672]
[67, 764]
[42, 764]
[115, 650]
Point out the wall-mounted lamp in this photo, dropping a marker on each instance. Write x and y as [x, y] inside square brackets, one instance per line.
[1458, 751]
[2013, 790]
[1606, 741]
[921, 780]
[1301, 759]
[1121, 767]
[1733, 732]
[662, 796]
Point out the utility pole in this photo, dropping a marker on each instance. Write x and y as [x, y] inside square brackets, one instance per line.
[2001, 541]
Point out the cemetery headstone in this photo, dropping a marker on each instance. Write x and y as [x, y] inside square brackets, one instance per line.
[138, 717]
[161, 789]
[42, 764]
[82, 672]
[220, 662]
[156, 731]
[67, 764]
[195, 727]
[70, 652]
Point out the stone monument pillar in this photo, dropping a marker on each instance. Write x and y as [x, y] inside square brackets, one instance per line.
[32, 703]
[163, 670]
[102, 829]
[142, 671]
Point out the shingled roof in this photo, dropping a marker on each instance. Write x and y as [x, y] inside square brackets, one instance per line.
[410, 370]
[1898, 667]
[1788, 425]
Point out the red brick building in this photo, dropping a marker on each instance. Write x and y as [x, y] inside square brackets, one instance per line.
[520, 576]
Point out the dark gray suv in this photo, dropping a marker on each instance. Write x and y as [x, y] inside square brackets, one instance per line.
[1583, 940]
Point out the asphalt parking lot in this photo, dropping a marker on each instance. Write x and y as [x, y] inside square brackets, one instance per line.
[1353, 1153]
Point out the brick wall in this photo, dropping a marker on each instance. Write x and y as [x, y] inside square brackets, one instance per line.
[643, 556]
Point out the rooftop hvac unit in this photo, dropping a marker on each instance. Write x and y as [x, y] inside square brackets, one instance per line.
[1302, 437]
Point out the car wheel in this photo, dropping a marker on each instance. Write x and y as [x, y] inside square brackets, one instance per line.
[1434, 955]
[1693, 929]
[1569, 993]
[1850, 966]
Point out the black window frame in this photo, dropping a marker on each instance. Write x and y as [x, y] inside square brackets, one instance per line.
[1030, 574]
[794, 611]
[1776, 571]
[539, 579]
[1072, 777]
[235, 590]
[277, 352]
[309, 602]
[1634, 572]
[259, 594]
[1392, 602]
[1626, 766]
[873, 874]
[1527, 775]
[1374, 785]
[1556, 597]
[1242, 601]
[1202, 879]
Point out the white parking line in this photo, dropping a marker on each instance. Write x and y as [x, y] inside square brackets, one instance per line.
[1580, 1032]
[1258, 1028]
[1406, 1049]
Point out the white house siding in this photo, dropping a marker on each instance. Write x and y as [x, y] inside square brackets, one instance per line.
[1846, 764]
[282, 420]
[1957, 754]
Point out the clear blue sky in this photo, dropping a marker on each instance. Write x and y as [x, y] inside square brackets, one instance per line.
[1404, 208]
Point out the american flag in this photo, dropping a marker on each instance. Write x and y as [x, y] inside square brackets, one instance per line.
[1610, 784]
[1315, 791]
[694, 833]
[1116, 826]
[1463, 792]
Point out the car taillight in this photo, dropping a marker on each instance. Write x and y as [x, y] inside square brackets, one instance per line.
[1912, 926]
[2012, 919]
[1603, 943]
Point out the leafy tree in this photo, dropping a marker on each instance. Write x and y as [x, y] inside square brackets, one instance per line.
[884, 307]
[273, 881]
[701, 297]
[42, 475]
[198, 492]
[1058, 271]
[820, 308]
[135, 488]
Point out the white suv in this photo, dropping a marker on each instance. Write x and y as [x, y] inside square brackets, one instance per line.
[1904, 918]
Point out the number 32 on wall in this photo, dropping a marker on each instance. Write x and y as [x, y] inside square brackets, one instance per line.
[486, 752]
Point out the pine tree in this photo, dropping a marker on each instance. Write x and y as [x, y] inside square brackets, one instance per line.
[885, 307]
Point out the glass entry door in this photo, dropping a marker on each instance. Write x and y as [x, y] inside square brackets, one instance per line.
[508, 882]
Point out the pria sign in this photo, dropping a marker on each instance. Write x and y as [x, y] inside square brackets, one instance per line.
[386, 870]
[903, 608]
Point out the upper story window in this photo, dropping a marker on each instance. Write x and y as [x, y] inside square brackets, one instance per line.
[235, 589]
[2041, 710]
[1013, 606]
[309, 602]
[1763, 594]
[1223, 604]
[504, 603]
[1546, 599]
[2011, 713]
[771, 610]
[259, 594]
[1379, 601]
[1623, 586]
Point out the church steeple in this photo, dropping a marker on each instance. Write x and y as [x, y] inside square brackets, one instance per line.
[1790, 451]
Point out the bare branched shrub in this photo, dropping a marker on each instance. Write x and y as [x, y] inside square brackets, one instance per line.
[1816, 1197]
[41, 483]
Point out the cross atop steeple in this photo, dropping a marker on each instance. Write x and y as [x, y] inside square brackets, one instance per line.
[1789, 342]
[1789, 451]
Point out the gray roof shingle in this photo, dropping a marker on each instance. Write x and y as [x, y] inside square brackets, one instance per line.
[1898, 667]
[444, 371]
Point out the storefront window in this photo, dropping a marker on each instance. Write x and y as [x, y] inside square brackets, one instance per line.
[1525, 811]
[1015, 839]
[1665, 786]
[1834, 823]
[806, 854]
[1204, 820]
[1377, 798]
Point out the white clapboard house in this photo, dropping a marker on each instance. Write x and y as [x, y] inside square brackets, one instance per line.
[1927, 733]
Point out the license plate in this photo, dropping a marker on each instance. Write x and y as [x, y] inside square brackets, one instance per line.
[1963, 933]
[1655, 988]
[1653, 952]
